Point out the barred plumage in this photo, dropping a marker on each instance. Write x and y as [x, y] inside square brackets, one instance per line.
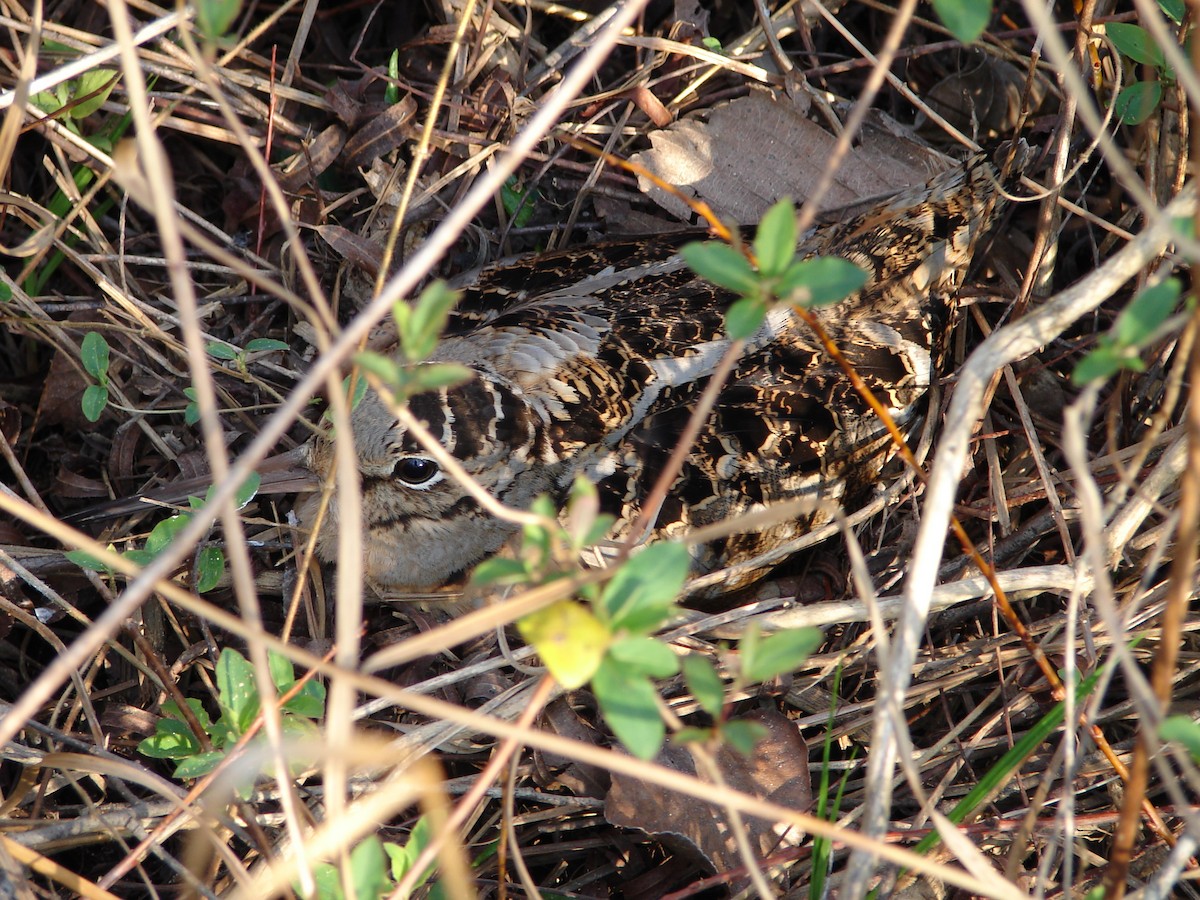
[589, 361]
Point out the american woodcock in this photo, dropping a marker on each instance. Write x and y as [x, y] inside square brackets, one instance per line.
[589, 362]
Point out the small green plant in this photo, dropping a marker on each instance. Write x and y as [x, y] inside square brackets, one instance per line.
[965, 19]
[1183, 730]
[191, 412]
[209, 561]
[241, 358]
[376, 867]
[73, 101]
[391, 93]
[1136, 101]
[1137, 326]
[93, 353]
[606, 635]
[778, 277]
[240, 704]
[518, 201]
[419, 326]
[215, 17]
[758, 659]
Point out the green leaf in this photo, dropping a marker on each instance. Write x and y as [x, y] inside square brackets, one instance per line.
[404, 857]
[1183, 730]
[248, 490]
[391, 93]
[172, 739]
[6, 292]
[1103, 362]
[965, 19]
[222, 733]
[95, 398]
[517, 201]
[369, 869]
[645, 656]
[779, 653]
[97, 82]
[210, 566]
[327, 881]
[191, 412]
[165, 531]
[47, 101]
[283, 674]
[498, 570]
[570, 640]
[435, 376]
[693, 735]
[221, 351]
[266, 345]
[744, 317]
[236, 690]
[630, 706]
[385, 369]
[421, 327]
[85, 560]
[301, 736]
[743, 736]
[141, 558]
[199, 765]
[1146, 313]
[704, 683]
[711, 43]
[1135, 104]
[643, 591]
[93, 353]
[599, 530]
[171, 709]
[820, 281]
[1135, 42]
[215, 17]
[360, 389]
[583, 506]
[722, 265]
[309, 702]
[1174, 10]
[536, 540]
[775, 242]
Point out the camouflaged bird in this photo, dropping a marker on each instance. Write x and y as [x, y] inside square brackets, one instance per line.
[589, 361]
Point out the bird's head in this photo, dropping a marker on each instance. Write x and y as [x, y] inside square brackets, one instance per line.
[421, 525]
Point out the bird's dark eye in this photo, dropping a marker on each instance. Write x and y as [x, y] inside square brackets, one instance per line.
[416, 469]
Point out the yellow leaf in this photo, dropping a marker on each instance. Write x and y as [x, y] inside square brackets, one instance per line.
[570, 640]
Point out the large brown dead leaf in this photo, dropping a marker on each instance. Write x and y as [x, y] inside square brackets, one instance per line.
[777, 770]
[552, 771]
[758, 148]
[982, 98]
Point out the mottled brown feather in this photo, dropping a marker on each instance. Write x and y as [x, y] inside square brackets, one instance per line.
[588, 361]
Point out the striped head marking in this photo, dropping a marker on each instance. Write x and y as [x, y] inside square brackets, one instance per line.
[420, 526]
